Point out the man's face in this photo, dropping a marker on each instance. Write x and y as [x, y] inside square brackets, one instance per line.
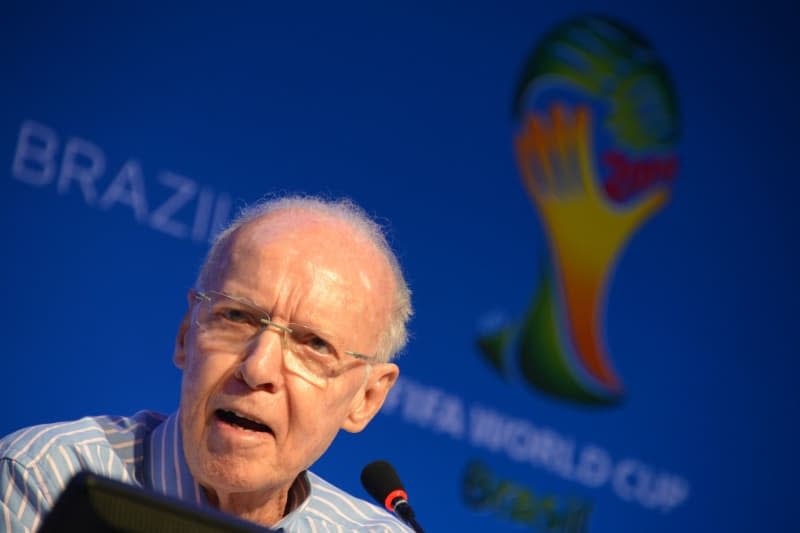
[303, 269]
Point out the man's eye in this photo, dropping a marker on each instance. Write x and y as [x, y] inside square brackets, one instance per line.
[318, 345]
[237, 316]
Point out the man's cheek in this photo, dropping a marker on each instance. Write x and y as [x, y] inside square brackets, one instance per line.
[198, 368]
[192, 385]
[333, 411]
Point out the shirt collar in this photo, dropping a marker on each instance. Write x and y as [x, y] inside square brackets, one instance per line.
[299, 493]
[166, 470]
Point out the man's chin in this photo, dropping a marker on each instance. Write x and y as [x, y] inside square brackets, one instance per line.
[236, 475]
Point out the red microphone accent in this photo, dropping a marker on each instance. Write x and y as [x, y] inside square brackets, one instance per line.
[392, 496]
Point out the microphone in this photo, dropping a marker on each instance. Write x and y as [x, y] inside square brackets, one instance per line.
[383, 484]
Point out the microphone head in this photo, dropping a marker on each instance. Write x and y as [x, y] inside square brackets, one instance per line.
[382, 483]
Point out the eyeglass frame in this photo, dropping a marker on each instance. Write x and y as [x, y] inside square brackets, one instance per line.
[266, 321]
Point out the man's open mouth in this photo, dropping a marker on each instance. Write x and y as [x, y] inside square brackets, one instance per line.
[235, 419]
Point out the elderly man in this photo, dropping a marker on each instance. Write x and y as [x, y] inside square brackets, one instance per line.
[295, 315]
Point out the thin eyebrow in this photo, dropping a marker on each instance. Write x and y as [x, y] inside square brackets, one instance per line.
[320, 332]
[247, 301]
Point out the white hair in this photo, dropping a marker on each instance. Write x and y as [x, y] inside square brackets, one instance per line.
[395, 337]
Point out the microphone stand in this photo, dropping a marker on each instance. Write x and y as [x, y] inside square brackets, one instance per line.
[406, 514]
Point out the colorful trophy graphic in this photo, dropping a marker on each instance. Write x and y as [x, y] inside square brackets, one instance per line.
[593, 91]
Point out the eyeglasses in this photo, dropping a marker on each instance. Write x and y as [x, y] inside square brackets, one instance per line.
[230, 324]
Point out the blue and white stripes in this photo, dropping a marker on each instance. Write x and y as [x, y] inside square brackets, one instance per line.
[145, 450]
[37, 462]
[331, 510]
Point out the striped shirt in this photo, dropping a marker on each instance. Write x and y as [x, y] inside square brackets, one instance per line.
[146, 450]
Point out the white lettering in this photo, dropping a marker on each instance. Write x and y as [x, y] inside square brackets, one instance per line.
[450, 417]
[202, 214]
[484, 428]
[420, 404]
[523, 442]
[621, 482]
[35, 156]
[128, 189]
[674, 490]
[427, 407]
[594, 466]
[36, 163]
[161, 218]
[553, 451]
[83, 162]
[520, 439]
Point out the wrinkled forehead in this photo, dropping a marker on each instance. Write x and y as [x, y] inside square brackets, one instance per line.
[315, 243]
[318, 262]
[277, 240]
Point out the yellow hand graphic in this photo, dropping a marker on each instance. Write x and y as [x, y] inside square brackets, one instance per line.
[585, 231]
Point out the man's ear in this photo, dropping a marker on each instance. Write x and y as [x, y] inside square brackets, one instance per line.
[179, 355]
[369, 401]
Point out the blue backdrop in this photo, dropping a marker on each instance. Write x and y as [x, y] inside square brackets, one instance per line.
[128, 132]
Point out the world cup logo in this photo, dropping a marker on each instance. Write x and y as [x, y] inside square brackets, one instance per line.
[596, 126]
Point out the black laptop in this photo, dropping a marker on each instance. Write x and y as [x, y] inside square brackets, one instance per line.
[93, 503]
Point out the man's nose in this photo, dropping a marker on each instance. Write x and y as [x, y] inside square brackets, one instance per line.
[262, 366]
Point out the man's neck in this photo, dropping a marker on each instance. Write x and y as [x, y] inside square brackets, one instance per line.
[265, 509]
